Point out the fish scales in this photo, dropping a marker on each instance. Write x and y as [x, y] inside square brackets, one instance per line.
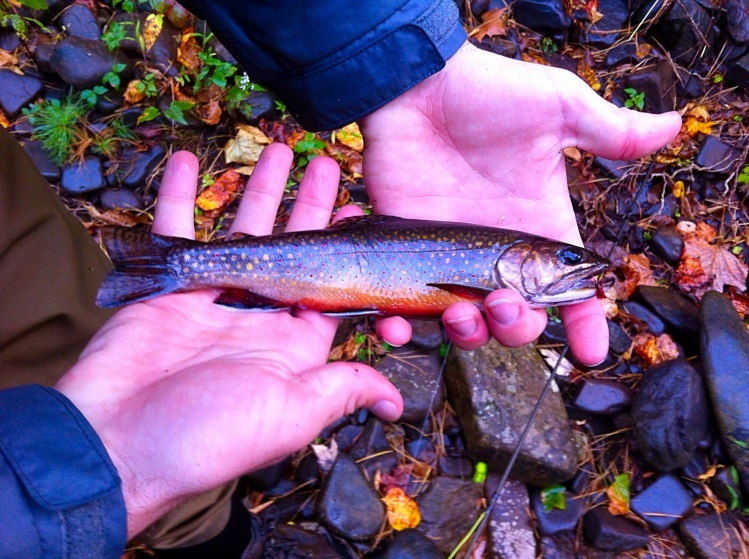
[371, 263]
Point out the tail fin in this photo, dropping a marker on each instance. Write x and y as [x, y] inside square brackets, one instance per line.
[141, 269]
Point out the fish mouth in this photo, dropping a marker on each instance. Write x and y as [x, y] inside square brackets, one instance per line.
[575, 286]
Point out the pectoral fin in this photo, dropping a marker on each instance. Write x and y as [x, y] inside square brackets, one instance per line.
[243, 299]
[471, 293]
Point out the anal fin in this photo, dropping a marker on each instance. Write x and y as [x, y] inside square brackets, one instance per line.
[471, 293]
[243, 299]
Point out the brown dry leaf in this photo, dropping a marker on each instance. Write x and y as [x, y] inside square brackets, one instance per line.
[10, 61]
[345, 351]
[187, 52]
[654, 350]
[246, 146]
[593, 14]
[706, 266]
[588, 74]
[152, 29]
[132, 93]
[642, 50]
[740, 301]
[402, 510]
[351, 136]
[493, 24]
[217, 196]
[209, 112]
[118, 217]
[573, 153]
[400, 477]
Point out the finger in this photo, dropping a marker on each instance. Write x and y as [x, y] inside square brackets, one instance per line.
[465, 326]
[394, 330]
[346, 387]
[511, 320]
[257, 210]
[174, 213]
[316, 196]
[587, 332]
[349, 210]
[615, 133]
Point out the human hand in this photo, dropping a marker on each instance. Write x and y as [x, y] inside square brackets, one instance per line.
[186, 394]
[481, 142]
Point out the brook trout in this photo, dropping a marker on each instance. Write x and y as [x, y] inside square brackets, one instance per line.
[362, 265]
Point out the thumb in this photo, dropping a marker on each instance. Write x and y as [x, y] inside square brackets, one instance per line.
[345, 387]
[600, 127]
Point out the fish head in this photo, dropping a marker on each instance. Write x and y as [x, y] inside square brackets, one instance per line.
[549, 273]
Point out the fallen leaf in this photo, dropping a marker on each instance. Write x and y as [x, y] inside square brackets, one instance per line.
[218, 195]
[400, 477]
[707, 264]
[209, 112]
[187, 52]
[4, 122]
[325, 455]
[493, 24]
[402, 510]
[588, 74]
[246, 146]
[618, 494]
[152, 29]
[655, 349]
[698, 121]
[351, 136]
[133, 92]
[740, 301]
[678, 189]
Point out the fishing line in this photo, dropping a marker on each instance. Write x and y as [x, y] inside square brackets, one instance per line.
[478, 528]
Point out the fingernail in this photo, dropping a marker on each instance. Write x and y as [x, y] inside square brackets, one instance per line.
[385, 409]
[464, 326]
[504, 312]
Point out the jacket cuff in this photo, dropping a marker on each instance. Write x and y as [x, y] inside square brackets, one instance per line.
[384, 63]
[66, 477]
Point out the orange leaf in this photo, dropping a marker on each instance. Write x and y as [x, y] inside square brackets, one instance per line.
[654, 350]
[187, 52]
[209, 112]
[698, 121]
[351, 136]
[588, 74]
[132, 93]
[4, 122]
[217, 196]
[494, 23]
[402, 510]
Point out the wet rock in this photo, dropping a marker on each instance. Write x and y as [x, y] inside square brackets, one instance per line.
[557, 520]
[625, 52]
[559, 546]
[422, 449]
[384, 463]
[737, 20]
[347, 435]
[42, 48]
[109, 102]
[541, 14]
[682, 29]
[409, 544]
[658, 83]
[17, 91]
[307, 472]
[710, 536]
[613, 533]
[82, 63]
[306, 539]
[162, 53]
[82, 177]
[348, 504]
[371, 441]
[614, 168]
[120, 198]
[78, 21]
[493, 390]
[601, 396]
[716, 157]
[605, 31]
[670, 414]
[137, 166]
[667, 244]
[449, 507]
[634, 309]
[738, 72]
[724, 349]
[663, 503]
[455, 466]
[48, 170]
[9, 40]
[499, 46]
[426, 334]
[416, 375]
[258, 105]
[619, 340]
[265, 478]
[509, 525]
[681, 316]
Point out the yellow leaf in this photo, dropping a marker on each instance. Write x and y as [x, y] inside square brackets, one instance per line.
[588, 74]
[151, 29]
[132, 93]
[246, 146]
[678, 189]
[698, 121]
[351, 136]
[402, 510]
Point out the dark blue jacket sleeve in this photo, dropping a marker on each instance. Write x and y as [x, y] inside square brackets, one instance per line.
[60, 494]
[334, 61]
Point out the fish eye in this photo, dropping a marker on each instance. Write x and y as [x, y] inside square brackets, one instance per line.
[571, 256]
